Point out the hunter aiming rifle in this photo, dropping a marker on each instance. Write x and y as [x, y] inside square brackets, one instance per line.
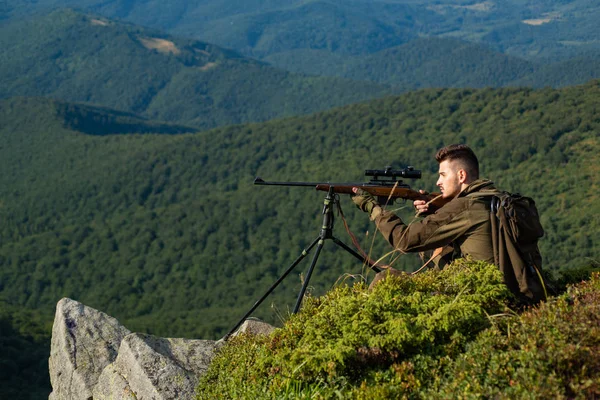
[385, 185]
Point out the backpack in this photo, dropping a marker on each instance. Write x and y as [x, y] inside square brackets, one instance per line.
[516, 229]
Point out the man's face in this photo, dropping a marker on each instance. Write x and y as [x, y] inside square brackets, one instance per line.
[449, 181]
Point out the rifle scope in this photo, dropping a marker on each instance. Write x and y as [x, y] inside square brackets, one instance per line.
[408, 172]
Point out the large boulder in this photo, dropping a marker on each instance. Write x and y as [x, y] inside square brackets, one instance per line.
[84, 342]
[157, 368]
[94, 357]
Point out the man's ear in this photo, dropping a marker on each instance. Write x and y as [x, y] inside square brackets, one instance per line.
[462, 176]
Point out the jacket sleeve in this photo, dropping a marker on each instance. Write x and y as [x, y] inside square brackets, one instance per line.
[436, 230]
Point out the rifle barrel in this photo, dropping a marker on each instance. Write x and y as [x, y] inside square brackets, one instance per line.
[259, 181]
[317, 185]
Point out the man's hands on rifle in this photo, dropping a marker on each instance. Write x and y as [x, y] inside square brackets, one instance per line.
[364, 200]
[422, 206]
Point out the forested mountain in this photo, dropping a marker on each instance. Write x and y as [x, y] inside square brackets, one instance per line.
[166, 232]
[77, 57]
[338, 29]
[426, 62]
[162, 230]
[565, 73]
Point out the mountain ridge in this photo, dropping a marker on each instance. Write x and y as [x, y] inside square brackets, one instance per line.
[83, 58]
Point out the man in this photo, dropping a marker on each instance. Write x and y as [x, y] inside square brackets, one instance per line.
[462, 225]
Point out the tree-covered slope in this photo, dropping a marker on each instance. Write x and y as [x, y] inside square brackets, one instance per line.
[384, 43]
[77, 57]
[565, 73]
[531, 29]
[313, 25]
[425, 62]
[24, 351]
[168, 234]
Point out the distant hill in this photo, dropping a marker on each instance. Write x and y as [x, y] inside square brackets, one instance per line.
[77, 57]
[533, 30]
[412, 45]
[565, 73]
[426, 62]
[314, 25]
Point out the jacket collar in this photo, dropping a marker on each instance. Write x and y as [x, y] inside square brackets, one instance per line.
[478, 185]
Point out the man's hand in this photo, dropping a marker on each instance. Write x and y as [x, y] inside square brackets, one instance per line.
[364, 200]
[421, 205]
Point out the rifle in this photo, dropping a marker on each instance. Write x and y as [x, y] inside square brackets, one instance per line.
[385, 189]
[384, 184]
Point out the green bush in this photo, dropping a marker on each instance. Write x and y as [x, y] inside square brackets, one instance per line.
[440, 334]
[352, 335]
[547, 352]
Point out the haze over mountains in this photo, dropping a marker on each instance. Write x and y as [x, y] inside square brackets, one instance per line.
[86, 58]
[296, 34]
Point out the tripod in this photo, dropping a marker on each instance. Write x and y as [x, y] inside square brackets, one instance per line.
[330, 201]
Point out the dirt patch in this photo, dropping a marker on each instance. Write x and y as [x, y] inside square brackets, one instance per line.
[161, 45]
[206, 53]
[544, 18]
[99, 22]
[208, 66]
[485, 6]
[538, 21]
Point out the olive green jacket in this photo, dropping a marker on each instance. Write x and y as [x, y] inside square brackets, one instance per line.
[463, 222]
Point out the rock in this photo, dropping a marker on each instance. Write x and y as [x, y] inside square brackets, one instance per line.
[254, 327]
[94, 357]
[157, 368]
[112, 386]
[84, 342]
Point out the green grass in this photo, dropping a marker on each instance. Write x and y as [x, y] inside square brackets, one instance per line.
[436, 335]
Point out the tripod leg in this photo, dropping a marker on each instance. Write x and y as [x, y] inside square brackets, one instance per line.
[308, 274]
[355, 254]
[268, 292]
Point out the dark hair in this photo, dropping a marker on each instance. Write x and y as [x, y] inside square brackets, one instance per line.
[464, 154]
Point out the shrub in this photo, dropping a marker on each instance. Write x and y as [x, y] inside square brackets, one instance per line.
[356, 342]
[547, 352]
[438, 335]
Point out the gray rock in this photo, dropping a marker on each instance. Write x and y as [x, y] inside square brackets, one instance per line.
[255, 327]
[94, 357]
[157, 368]
[84, 342]
[112, 386]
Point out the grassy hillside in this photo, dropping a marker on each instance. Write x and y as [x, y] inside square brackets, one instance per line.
[168, 234]
[77, 57]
